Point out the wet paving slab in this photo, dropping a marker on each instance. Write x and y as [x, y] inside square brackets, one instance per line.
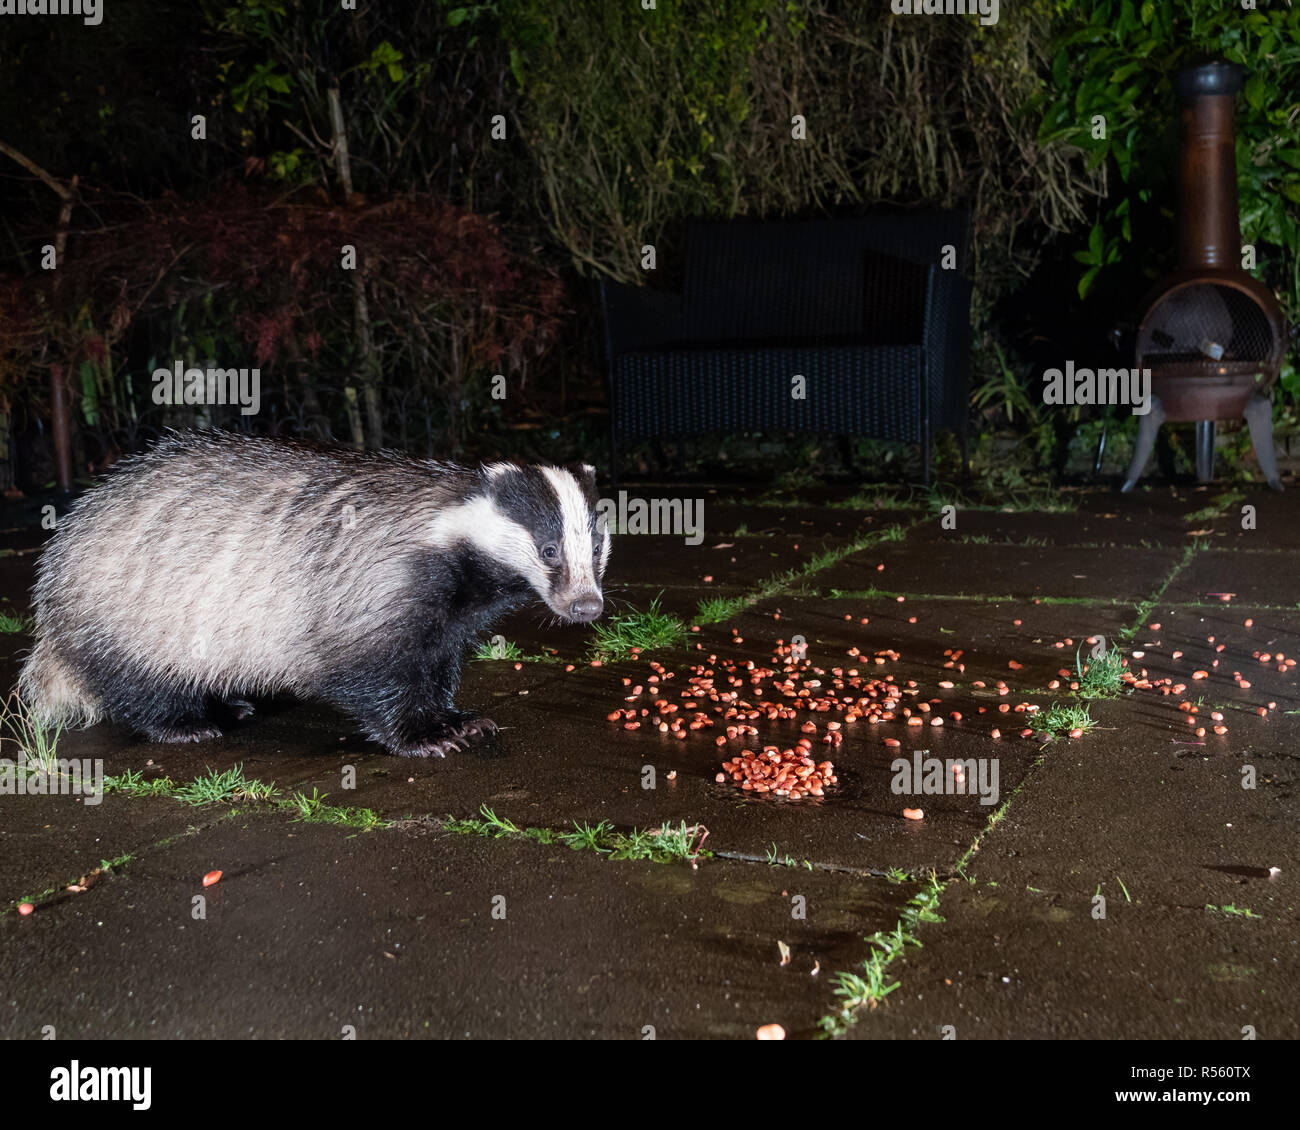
[729, 511]
[1269, 577]
[934, 639]
[1186, 649]
[725, 520]
[1018, 965]
[1115, 529]
[958, 569]
[1108, 519]
[415, 932]
[1199, 937]
[49, 842]
[716, 563]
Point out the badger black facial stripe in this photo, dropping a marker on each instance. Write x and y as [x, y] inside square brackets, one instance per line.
[575, 517]
[479, 523]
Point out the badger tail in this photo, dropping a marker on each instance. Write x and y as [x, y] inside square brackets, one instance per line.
[51, 691]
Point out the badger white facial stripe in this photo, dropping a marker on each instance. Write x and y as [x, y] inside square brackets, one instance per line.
[575, 515]
[604, 549]
[481, 524]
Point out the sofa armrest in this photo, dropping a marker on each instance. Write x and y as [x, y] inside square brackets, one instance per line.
[947, 345]
[637, 317]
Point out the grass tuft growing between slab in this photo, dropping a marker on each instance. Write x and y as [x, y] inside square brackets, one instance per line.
[1102, 676]
[1059, 720]
[227, 786]
[313, 810]
[21, 732]
[665, 844]
[232, 787]
[1234, 911]
[719, 608]
[618, 636]
[1219, 506]
[498, 647]
[132, 783]
[868, 988]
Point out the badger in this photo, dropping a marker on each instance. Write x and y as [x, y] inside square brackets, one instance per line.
[218, 566]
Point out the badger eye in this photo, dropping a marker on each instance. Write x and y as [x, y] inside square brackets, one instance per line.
[550, 551]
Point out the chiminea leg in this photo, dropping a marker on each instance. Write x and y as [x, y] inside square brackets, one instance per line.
[1145, 442]
[1259, 415]
[1205, 451]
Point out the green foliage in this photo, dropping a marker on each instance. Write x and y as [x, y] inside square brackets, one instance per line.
[498, 647]
[1005, 394]
[256, 89]
[665, 844]
[637, 120]
[1060, 719]
[22, 732]
[223, 787]
[13, 623]
[618, 637]
[1102, 676]
[1114, 59]
[385, 57]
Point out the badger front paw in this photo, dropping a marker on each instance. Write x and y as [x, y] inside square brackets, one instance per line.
[240, 708]
[454, 732]
[182, 733]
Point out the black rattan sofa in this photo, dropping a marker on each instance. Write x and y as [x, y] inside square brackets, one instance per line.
[865, 309]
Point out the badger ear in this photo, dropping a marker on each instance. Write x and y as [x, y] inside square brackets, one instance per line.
[585, 473]
[492, 473]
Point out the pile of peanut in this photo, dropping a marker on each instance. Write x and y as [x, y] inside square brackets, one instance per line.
[782, 772]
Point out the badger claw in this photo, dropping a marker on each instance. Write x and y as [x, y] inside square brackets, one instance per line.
[455, 735]
[476, 726]
[184, 734]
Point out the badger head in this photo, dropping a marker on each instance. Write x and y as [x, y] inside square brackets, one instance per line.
[540, 524]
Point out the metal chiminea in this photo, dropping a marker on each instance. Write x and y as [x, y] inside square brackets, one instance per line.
[1212, 334]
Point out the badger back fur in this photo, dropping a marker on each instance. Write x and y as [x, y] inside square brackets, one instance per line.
[219, 566]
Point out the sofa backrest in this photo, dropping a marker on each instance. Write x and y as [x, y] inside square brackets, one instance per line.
[811, 280]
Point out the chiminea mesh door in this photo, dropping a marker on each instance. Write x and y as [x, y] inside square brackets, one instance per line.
[1205, 322]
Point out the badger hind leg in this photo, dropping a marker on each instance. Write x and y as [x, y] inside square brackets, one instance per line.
[239, 708]
[174, 717]
[161, 711]
[183, 730]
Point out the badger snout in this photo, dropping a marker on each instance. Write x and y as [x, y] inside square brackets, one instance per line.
[586, 608]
